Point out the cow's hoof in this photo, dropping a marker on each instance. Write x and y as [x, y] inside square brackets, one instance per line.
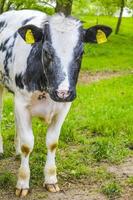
[52, 187]
[1, 156]
[22, 192]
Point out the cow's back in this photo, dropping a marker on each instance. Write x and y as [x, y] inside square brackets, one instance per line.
[13, 49]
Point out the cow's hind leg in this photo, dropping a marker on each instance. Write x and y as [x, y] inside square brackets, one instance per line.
[1, 140]
[23, 120]
[51, 143]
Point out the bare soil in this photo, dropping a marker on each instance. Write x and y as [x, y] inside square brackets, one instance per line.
[88, 77]
[76, 192]
[69, 191]
[79, 190]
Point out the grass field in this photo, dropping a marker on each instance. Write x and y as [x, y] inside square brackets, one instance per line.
[98, 131]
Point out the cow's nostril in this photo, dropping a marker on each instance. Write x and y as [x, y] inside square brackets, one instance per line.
[63, 93]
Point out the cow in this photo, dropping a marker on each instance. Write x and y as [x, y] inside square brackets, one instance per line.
[40, 59]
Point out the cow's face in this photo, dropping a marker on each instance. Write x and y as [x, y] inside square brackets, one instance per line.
[62, 49]
[61, 56]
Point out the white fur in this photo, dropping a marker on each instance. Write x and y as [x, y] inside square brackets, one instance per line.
[24, 131]
[51, 138]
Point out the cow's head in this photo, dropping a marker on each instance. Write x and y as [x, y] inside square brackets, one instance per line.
[62, 49]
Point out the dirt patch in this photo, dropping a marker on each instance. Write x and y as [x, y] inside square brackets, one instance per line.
[88, 77]
[11, 164]
[74, 190]
[123, 170]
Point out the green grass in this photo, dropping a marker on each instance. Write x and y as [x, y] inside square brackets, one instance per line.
[112, 190]
[130, 181]
[98, 129]
[6, 180]
[116, 54]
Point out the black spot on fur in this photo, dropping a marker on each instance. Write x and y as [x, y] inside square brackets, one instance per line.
[3, 45]
[42, 96]
[19, 81]
[27, 20]
[47, 35]
[3, 25]
[76, 62]
[9, 51]
[34, 75]
[33, 78]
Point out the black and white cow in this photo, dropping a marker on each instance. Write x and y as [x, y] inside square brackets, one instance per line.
[40, 58]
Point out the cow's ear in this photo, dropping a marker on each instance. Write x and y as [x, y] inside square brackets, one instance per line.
[30, 33]
[96, 34]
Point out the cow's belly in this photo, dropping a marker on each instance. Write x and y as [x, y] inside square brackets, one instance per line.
[42, 106]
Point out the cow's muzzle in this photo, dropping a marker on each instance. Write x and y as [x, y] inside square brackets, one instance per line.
[63, 95]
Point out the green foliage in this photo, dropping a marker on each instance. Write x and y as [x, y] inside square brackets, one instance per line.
[112, 190]
[81, 7]
[6, 180]
[97, 7]
[106, 7]
[64, 2]
[42, 5]
[130, 181]
[107, 149]
[130, 4]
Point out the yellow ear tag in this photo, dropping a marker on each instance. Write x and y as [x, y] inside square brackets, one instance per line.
[29, 38]
[101, 37]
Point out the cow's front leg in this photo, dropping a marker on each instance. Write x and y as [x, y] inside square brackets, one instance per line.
[51, 143]
[17, 141]
[23, 120]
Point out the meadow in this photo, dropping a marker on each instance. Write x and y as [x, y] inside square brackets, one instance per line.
[117, 53]
[98, 131]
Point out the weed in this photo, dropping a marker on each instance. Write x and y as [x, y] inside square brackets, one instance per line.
[112, 190]
[6, 180]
